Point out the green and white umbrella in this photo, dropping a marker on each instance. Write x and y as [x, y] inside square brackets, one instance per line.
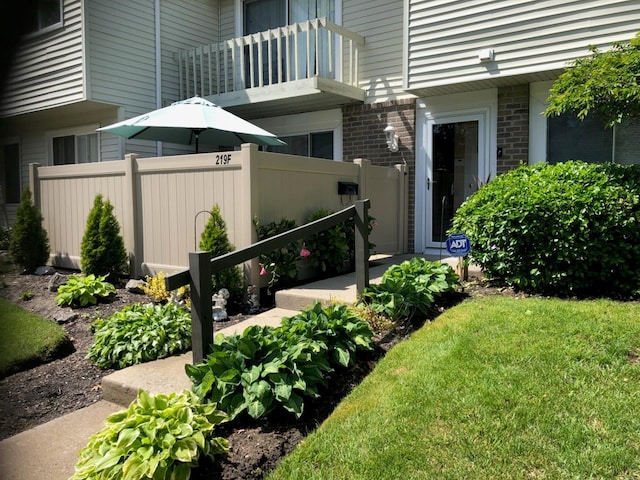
[193, 121]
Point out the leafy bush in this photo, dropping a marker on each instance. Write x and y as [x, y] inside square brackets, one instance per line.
[156, 288]
[158, 436]
[282, 263]
[567, 229]
[410, 287]
[214, 239]
[330, 248]
[102, 249]
[266, 367]
[29, 244]
[80, 291]
[140, 333]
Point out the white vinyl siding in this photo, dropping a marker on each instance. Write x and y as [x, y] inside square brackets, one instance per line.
[380, 23]
[48, 68]
[184, 25]
[121, 54]
[528, 38]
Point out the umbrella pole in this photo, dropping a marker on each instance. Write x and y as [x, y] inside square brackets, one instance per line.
[197, 135]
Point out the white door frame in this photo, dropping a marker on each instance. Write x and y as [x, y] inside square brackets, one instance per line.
[469, 106]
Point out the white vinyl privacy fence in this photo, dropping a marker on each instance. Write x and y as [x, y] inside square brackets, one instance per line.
[162, 203]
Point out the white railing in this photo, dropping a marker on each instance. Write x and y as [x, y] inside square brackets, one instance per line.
[304, 50]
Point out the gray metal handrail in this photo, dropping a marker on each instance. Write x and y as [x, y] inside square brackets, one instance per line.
[202, 267]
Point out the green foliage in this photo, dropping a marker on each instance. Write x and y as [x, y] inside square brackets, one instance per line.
[605, 83]
[157, 437]
[5, 238]
[214, 239]
[140, 333]
[102, 249]
[29, 245]
[410, 287]
[281, 263]
[330, 248]
[266, 367]
[80, 291]
[566, 229]
[26, 295]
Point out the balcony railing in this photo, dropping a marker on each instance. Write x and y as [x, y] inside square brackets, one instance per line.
[295, 52]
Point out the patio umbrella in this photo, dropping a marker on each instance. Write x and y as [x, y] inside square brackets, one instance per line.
[193, 121]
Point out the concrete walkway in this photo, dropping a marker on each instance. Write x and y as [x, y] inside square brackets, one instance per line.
[50, 451]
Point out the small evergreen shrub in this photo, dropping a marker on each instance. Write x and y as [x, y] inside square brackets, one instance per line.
[566, 229]
[102, 249]
[157, 437]
[214, 239]
[5, 238]
[29, 244]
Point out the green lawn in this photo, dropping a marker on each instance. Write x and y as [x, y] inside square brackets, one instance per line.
[26, 338]
[499, 388]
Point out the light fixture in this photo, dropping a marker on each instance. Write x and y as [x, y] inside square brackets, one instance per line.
[392, 138]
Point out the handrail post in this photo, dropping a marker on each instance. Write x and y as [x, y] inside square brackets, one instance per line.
[361, 221]
[201, 311]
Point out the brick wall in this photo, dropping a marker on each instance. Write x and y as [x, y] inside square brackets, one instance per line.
[363, 137]
[513, 126]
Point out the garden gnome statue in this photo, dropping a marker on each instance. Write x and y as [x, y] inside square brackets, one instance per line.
[219, 304]
[252, 299]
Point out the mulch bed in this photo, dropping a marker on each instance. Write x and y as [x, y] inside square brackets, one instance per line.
[48, 391]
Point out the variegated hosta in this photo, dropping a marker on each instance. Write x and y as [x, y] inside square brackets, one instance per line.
[158, 437]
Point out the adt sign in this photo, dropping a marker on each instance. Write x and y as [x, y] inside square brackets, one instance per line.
[458, 245]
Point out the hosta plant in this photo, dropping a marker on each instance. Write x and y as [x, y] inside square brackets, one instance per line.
[157, 437]
[267, 367]
[140, 333]
[410, 287]
[80, 291]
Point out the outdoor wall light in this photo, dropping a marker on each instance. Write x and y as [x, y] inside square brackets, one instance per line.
[392, 138]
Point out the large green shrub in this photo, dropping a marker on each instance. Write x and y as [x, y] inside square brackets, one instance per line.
[102, 249]
[29, 244]
[280, 264]
[214, 239]
[568, 229]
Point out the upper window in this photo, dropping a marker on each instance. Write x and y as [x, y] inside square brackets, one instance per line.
[71, 149]
[10, 168]
[316, 144]
[46, 16]
[590, 141]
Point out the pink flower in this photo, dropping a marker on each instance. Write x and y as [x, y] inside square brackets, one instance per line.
[263, 271]
[304, 252]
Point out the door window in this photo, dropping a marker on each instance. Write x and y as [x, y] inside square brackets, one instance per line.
[455, 164]
[71, 149]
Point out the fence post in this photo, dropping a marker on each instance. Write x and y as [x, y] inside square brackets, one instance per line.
[34, 183]
[201, 312]
[361, 221]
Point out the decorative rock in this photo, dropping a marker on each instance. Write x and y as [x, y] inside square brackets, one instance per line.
[63, 318]
[135, 286]
[56, 280]
[45, 270]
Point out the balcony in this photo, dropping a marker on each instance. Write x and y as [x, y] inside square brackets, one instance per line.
[307, 66]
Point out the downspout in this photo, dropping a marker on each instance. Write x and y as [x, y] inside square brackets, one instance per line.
[158, 51]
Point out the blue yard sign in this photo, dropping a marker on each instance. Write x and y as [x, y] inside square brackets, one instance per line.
[458, 245]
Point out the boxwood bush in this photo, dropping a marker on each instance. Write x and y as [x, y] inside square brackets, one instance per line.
[566, 229]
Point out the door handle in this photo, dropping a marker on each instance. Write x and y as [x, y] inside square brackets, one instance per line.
[429, 183]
